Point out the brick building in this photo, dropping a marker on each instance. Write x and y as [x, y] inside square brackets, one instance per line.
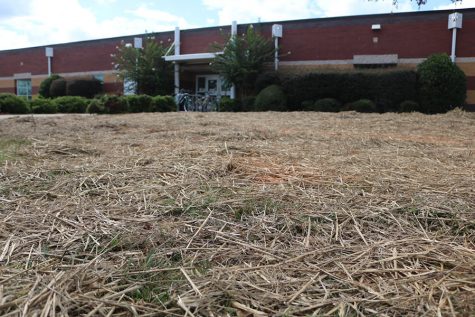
[400, 40]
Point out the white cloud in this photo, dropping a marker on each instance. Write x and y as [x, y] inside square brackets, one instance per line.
[457, 5]
[273, 10]
[245, 11]
[49, 22]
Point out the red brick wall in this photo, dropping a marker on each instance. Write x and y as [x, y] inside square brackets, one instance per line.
[202, 40]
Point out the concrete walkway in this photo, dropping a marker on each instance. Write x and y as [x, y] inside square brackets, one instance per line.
[8, 116]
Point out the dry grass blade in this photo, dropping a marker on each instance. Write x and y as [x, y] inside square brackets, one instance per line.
[259, 214]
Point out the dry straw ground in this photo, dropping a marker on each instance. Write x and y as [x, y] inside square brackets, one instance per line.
[258, 214]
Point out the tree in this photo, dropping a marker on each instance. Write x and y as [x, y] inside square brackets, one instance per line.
[145, 67]
[243, 59]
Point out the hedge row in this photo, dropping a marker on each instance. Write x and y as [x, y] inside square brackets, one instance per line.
[10, 103]
[437, 86]
[57, 86]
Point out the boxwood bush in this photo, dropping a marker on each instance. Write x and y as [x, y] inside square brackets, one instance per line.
[409, 106]
[45, 86]
[362, 105]
[442, 84]
[96, 106]
[86, 87]
[114, 104]
[71, 104]
[57, 88]
[163, 104]
[43, 105]
[227, 104]
[323, 105]
[10, 103]
[271, 98]
[387, 88]
[139, 103]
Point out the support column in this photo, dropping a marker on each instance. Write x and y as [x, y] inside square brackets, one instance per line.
[454, 44]
[233, 34]
[177, 66]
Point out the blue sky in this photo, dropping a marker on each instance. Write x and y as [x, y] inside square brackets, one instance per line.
[26, 23]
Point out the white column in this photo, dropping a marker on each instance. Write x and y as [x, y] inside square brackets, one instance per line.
[233, 33]
[177, 66]
[276, 56]
[49, 66]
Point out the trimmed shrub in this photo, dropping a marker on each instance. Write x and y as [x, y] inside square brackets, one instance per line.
[247, 104]
[114, 104]
[86, 87]
[227, 104]
[409, 106]
[267, 79]
[10, 103]
[42, 105]
[57, 88]
[324, 105]
[71, 104]
[96, 106]
[45, 86]
[271, 98]
[442, 84]
[388, 89]
[362, 105]
[163, 104]
[139, 103]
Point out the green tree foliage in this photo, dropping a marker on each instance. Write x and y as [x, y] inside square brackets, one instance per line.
[442, 84]
[46, 84]
[243, 59]
[146, 67]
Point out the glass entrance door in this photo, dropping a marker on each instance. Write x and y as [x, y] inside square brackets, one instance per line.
[211, 85]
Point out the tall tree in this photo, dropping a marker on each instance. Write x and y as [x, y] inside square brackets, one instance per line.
[145, 68]
[243, 59]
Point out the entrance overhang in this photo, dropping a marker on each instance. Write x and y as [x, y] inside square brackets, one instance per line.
[198, 57]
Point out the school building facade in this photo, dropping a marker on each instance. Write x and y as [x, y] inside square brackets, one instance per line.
[398, 40]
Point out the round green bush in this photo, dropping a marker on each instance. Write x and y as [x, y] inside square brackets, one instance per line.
[363, 105]
[139, 103]
[86, 87]
[271, 98]
[96, 106]
[442, 84]
[57, 88]
[163, 104]
[324, 105]
[267, 79]
[71, 104]
[42, 105]
[114, 104]
[409, 106]
[45, 86]
[10, 103]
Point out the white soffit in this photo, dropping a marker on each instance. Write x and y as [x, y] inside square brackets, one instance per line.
[191, 57]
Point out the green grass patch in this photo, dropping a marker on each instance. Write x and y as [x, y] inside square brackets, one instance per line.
[9, 148]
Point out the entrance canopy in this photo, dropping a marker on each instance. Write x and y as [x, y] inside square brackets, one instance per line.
[198, 57]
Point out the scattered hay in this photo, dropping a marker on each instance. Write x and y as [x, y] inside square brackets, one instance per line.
[259, 214]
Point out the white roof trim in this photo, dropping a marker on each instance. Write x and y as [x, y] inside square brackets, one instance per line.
[191, 57]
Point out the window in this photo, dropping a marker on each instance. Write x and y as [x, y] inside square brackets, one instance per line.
[23, 88]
